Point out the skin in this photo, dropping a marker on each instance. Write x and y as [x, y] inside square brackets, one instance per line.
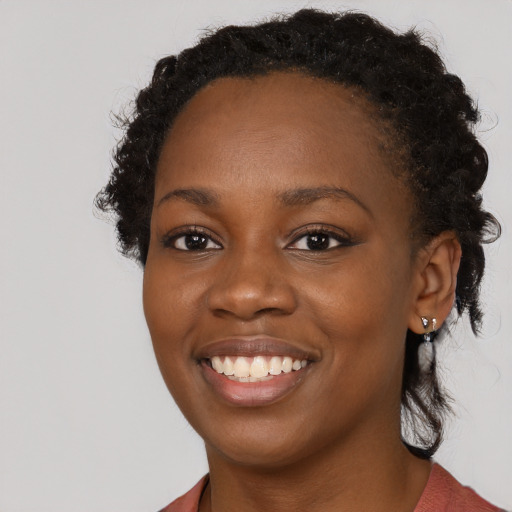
[333, 442]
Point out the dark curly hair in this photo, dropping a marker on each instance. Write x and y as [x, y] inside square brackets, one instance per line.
[432, 120]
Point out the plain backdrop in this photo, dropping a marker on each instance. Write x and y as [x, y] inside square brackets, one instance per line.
[86, 424]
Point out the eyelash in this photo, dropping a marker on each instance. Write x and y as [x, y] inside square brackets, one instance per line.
[343, 240]
[170, 241]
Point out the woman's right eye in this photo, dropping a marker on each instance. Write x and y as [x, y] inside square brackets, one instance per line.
[192, 241]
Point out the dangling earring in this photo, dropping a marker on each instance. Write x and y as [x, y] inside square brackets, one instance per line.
[427, 335]
[427, 349]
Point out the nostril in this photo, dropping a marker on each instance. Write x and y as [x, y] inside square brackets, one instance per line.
[264, 311]
[249, 314]
[248, 292]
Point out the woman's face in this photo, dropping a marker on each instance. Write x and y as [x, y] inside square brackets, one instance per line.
[280, 237]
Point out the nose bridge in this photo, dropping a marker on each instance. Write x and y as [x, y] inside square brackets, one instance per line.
[251, 280]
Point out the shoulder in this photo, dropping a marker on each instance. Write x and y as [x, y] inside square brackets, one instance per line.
[189, 502]
[442, 494]
[445, 494]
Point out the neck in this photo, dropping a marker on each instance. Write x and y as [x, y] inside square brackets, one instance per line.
[352, 475]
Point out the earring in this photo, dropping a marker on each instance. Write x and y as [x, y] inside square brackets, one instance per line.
[427, 349]
[427, 335]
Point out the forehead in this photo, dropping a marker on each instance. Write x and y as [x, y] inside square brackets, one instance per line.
[273, 94]
[305, 112]
[248, 130]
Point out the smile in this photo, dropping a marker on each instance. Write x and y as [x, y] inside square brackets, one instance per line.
[258, 368]
[254, 371]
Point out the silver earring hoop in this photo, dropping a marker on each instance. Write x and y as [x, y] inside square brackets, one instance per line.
[427, 335]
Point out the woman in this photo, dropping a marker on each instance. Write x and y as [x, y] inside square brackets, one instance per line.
[304, 197]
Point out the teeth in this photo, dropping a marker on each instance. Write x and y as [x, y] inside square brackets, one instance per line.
[287, 364]
[259, 367]
[217, 364]
[275, 365]
[229, 367]
[242, 367]
[255, 369]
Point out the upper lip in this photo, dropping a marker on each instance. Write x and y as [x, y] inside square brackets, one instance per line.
[250, 346]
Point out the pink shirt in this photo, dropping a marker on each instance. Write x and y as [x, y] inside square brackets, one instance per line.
[442, 494]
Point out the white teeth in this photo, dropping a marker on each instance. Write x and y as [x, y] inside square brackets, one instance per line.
[242, 367]
[259, 367]
[287, 364]
[217, 364]
[229, 368]
[275, 365]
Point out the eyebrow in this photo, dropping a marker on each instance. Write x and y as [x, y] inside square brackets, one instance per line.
[196, 196]
[291, 198]
[305, 196]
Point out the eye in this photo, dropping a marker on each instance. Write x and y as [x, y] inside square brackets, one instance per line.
[320, 240]
[191, 240]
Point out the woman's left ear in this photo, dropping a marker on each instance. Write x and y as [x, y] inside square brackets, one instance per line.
[435, 279]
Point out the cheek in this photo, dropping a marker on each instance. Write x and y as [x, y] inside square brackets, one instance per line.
[363, 291]
[171, 310]
[171, 300]
[363, 310]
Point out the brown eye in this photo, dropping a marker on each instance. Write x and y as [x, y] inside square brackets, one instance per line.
[191, 241]
[320, 241]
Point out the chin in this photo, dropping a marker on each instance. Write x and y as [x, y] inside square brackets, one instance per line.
[265, 446]
[256, 453]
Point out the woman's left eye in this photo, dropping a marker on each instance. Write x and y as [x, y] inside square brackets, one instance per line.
[319, 241]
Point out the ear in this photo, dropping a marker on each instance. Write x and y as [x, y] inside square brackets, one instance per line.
[435, 280]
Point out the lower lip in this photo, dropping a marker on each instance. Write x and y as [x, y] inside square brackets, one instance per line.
[253, 394]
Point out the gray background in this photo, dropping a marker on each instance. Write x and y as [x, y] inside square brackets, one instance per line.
[86, 424]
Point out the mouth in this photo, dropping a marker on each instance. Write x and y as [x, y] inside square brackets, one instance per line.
[254, 371]
[259, 368]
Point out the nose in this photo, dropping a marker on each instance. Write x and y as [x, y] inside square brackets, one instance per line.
[250, 285]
